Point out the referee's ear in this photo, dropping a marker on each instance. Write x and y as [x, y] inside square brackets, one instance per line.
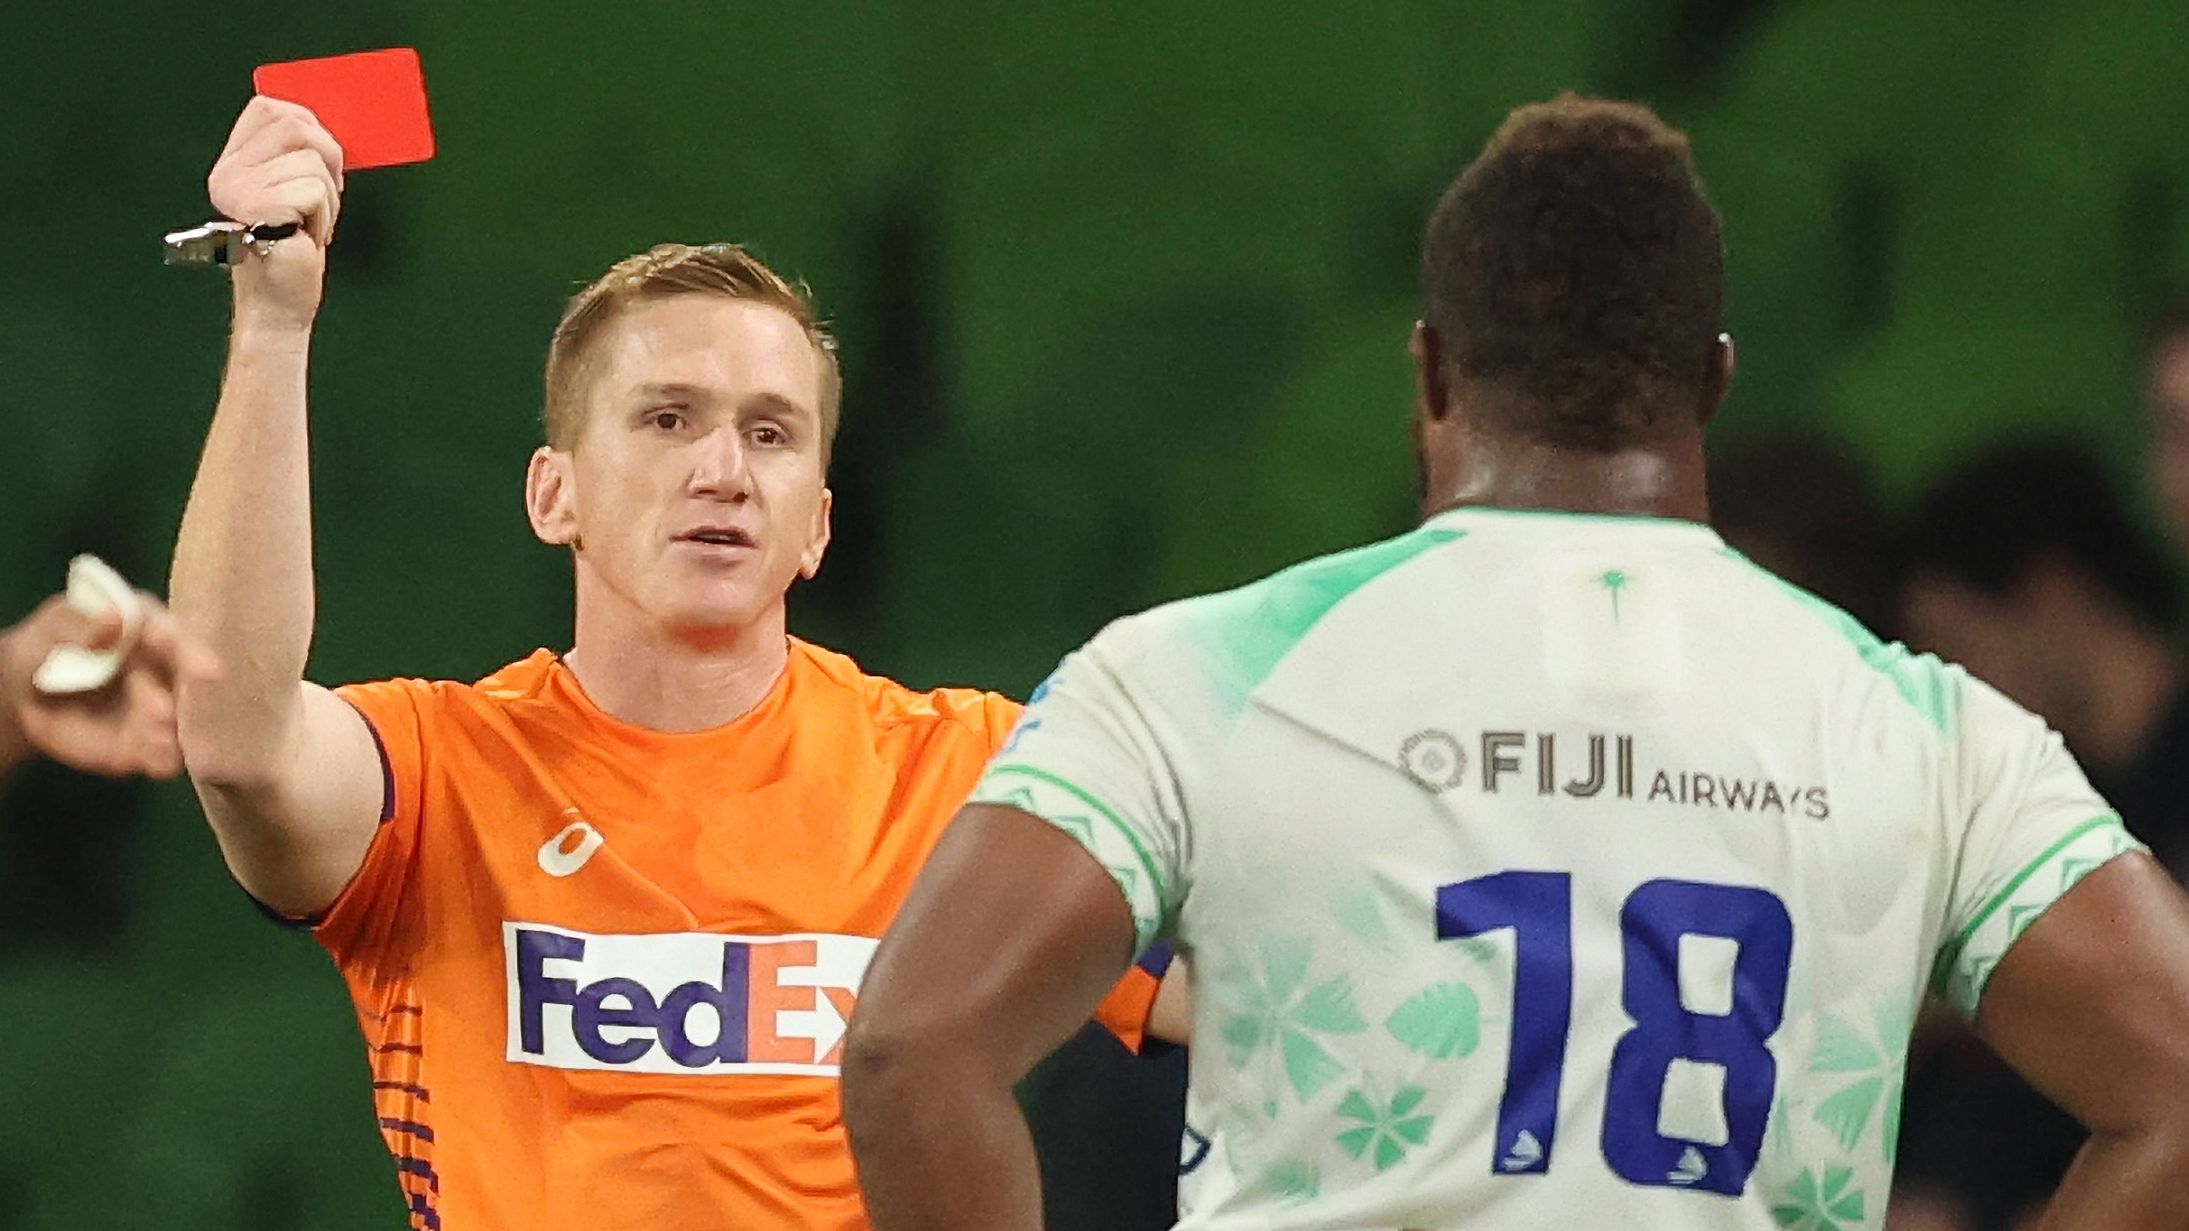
[809, 561]
[549, 499]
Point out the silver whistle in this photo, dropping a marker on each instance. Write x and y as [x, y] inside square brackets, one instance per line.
[220, 243]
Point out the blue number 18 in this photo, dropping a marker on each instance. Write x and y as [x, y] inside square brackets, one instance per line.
[1538, 907]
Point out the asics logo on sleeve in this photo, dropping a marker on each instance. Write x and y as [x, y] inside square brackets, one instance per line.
[681, 1002]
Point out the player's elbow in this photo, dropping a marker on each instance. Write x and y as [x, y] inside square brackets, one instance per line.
[870, 1065]
[2147, 1165]
[2138, 1116]
[880, 1055]
[2152, 1111]
[879, 1072]
[889, 1061]
[2166, 1142]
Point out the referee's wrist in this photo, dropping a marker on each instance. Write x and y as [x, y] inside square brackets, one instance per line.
[261, 333]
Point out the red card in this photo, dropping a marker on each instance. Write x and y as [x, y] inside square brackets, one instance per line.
[374, 102]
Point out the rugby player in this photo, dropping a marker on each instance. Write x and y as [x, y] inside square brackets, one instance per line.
[1550, 865]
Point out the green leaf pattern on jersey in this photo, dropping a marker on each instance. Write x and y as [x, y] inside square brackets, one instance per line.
[1295, 1180]
[1893, 1026]
[1387, 1130]
[1841, 1050]
[1830, 1204]
[1281, 1017]
[1360, 915]
[1442, 1022]
[1872, 1069]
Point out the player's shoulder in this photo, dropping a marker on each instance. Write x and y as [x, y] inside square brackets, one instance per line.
[835, 680]
[521, 680]
[517, 684]
[1239, 635]
[1800, 621]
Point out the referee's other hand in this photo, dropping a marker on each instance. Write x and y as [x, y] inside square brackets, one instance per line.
[127, 726]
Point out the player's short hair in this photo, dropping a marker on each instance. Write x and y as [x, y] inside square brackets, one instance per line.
[1575, 274]
[659, 272]
[1989, 522]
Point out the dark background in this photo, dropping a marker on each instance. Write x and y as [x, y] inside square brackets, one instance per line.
[1123, 290]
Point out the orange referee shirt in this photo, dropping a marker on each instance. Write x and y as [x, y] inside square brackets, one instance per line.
[603, 972]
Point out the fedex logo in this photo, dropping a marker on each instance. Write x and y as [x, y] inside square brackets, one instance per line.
[681, 1002]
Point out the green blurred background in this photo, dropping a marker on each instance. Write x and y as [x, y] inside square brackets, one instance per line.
[1123, 291]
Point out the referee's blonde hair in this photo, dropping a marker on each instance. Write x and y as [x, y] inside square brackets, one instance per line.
[729, 270]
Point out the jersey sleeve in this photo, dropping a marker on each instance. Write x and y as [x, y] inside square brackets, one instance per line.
[2033, 828]
[1086, 758]
[1125, 1011]
[365, 914]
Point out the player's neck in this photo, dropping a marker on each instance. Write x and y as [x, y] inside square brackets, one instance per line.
[1660, 480]
[638, 672]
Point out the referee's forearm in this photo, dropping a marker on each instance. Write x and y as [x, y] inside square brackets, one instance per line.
[242, 580]
[939, 1139]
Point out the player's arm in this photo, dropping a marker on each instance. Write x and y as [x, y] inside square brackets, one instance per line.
[288, 773]
[1070, 861]
[1027, 932]
[2091, 1004]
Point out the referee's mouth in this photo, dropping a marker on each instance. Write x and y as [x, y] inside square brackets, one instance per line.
[719, 538]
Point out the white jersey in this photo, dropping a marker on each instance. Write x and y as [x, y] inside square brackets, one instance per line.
[1541, 870]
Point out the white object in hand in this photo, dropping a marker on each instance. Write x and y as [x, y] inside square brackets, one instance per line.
[94, 589]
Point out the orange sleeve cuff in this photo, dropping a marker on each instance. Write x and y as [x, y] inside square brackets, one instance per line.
[1124, 1012]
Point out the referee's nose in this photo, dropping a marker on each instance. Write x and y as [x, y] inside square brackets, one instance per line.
[719, 469]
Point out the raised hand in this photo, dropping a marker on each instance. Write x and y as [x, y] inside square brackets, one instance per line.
[280, 165]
